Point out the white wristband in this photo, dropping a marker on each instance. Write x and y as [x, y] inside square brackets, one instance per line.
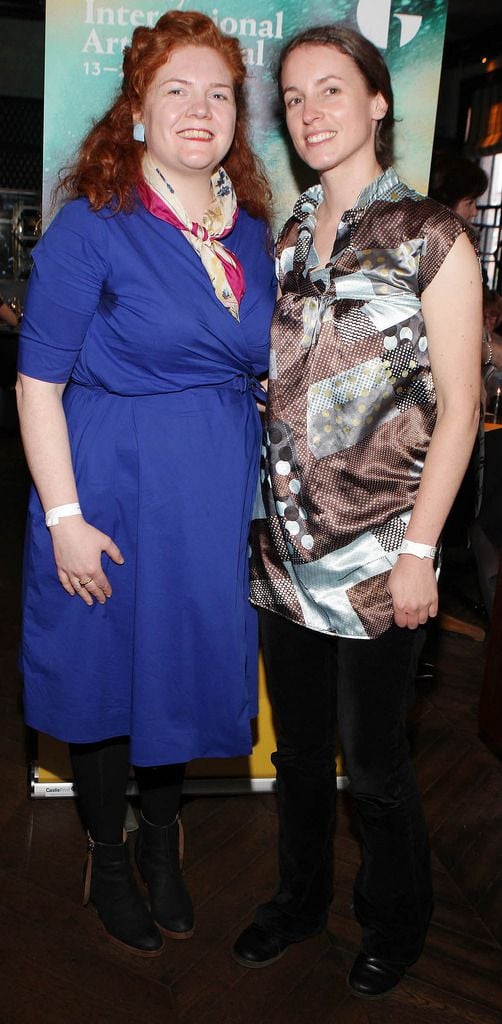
[410, 547]
[53, 516]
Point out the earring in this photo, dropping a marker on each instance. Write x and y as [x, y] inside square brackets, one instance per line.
[138, 132]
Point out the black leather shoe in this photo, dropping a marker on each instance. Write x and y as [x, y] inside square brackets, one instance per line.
[372, 978]
[257, 947]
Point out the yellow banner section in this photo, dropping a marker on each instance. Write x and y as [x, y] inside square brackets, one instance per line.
[54, 764]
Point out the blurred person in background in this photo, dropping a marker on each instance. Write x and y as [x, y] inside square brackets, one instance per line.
[7, 314]
[457, 183]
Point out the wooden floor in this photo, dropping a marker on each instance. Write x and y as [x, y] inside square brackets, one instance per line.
[57, 967]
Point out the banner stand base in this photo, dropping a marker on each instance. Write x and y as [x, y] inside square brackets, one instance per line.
[191, 787]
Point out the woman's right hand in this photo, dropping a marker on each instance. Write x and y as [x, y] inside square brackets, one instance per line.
[78, 547]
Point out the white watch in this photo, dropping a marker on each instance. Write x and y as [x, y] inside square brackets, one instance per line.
[411, 547]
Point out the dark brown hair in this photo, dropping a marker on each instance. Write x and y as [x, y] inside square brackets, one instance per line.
[370, 64]
[108, 165]
[454, 178]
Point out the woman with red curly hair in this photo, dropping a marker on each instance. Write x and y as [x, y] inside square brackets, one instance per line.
[138, 413]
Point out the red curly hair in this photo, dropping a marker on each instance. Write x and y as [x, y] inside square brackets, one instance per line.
[108, 165]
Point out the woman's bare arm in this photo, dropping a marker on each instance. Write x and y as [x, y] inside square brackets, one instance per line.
[77, 545]
[451, 306]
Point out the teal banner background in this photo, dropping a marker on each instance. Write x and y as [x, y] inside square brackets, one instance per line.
[85, 38]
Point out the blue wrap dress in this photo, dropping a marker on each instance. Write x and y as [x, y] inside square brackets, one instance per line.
[165, 439]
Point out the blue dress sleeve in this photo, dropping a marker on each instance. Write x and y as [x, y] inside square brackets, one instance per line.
[70, 265]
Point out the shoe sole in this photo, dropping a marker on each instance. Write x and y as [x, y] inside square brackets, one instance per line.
[256, 965]
[148, 953]
[175, 935]
[145, 953]
[376, 995]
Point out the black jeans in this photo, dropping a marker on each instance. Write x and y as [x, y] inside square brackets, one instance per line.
[365, 687]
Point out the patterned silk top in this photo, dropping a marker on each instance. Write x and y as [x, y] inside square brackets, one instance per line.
[351, 408]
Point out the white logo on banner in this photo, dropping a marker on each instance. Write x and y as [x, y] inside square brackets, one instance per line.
[373, 18]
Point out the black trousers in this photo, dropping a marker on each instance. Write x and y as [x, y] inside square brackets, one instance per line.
[365, 687]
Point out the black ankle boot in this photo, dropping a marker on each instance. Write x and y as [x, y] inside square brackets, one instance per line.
[110, 886]
[159, 856]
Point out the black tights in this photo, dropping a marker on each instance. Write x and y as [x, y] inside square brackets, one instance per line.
[101, 772]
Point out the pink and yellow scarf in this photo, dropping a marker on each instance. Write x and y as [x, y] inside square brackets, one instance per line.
[222, 266]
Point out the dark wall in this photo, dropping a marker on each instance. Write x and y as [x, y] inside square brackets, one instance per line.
[21, 103]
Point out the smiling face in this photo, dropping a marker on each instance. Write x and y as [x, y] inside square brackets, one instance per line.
[331, 116]
[189, 113]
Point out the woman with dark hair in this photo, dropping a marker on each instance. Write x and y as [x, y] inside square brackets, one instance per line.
[458, 183]
[139, 420]
[372, 412]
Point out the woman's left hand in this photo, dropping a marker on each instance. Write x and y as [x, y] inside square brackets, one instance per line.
[412, 586]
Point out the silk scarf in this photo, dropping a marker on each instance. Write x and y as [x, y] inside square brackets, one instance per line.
[221, 265]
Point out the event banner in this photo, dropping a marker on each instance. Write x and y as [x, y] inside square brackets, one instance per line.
[85, 39]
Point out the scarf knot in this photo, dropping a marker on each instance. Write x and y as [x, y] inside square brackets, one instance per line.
[221, 265]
